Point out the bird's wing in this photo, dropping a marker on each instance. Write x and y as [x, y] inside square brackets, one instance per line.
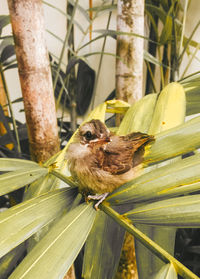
[122, 153]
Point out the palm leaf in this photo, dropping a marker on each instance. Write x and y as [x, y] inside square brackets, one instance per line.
[14, 180]
[177, 178]
[54, 254]
[176, 212]
[7, 164]
[21, 221]
[139, 116]
[148, 242]
[102, 253]
[166, 272]
[167, 144]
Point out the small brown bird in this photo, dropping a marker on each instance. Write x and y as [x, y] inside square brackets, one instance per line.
[101, 161]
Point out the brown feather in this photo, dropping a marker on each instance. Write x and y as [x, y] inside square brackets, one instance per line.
[101, 161]
[117, 156]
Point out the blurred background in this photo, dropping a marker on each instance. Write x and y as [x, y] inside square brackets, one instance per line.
[82, 41]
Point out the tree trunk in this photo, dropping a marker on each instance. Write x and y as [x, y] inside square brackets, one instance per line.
[129, 87]
[129, 65]
[35, 77]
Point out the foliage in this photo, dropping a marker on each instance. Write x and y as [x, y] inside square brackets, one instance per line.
[67, 222]
[65, 210]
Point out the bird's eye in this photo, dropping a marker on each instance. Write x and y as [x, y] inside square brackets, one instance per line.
[88, 135]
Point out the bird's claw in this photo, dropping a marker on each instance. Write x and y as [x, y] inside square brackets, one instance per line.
[99, 197]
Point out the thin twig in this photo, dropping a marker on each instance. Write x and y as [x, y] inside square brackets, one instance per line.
[183, 27]
[65, 45]
[190, 61]
[11, 110]
[101, 60]
[161, 68]
[151, 75]
[87, 30]
[188, 41]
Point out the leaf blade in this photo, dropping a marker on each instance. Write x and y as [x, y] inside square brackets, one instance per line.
[166, 272]
[64, 240]
[139, 116]
[14, 180]
[177, 212]
[167, 143]
[8, 164]
[21, 221]
[178, 178]
[101, 257]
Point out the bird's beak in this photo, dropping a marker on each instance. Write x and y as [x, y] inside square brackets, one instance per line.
[99, 141]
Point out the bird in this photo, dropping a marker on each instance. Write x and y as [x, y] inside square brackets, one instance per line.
[101, 161]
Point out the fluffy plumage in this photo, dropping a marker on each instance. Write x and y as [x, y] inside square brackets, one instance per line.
[101, 161]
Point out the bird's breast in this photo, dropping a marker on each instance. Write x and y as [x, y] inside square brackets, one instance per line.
[91, 177]
[78, 151]
[80, 160]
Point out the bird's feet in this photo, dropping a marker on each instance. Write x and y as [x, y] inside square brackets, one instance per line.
[99, 197]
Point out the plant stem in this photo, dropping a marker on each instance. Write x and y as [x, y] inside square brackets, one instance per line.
[190, 61]
[91, 16]
[152, 48]
[174, 62]
[101, 59]
[183, 27]
[63, 83]
[87, 29]
[151, 76]
[65, 45]
[150, 244]
[188, 42]
[61, 176]
[11, 110]
[161, 68]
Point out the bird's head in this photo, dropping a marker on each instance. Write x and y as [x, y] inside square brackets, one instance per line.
[93, 132]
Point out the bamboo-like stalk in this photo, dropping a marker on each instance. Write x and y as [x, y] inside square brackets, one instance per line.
[183, 27]
[35, 77]
[150, 72]
[101, 60]
[174, 63]
[65, 44]
[161, 67]
[10, 108]
[129, 81]
[152, 48]
[129, 69]
[91, 16]
[3, 103]
[86, 32]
